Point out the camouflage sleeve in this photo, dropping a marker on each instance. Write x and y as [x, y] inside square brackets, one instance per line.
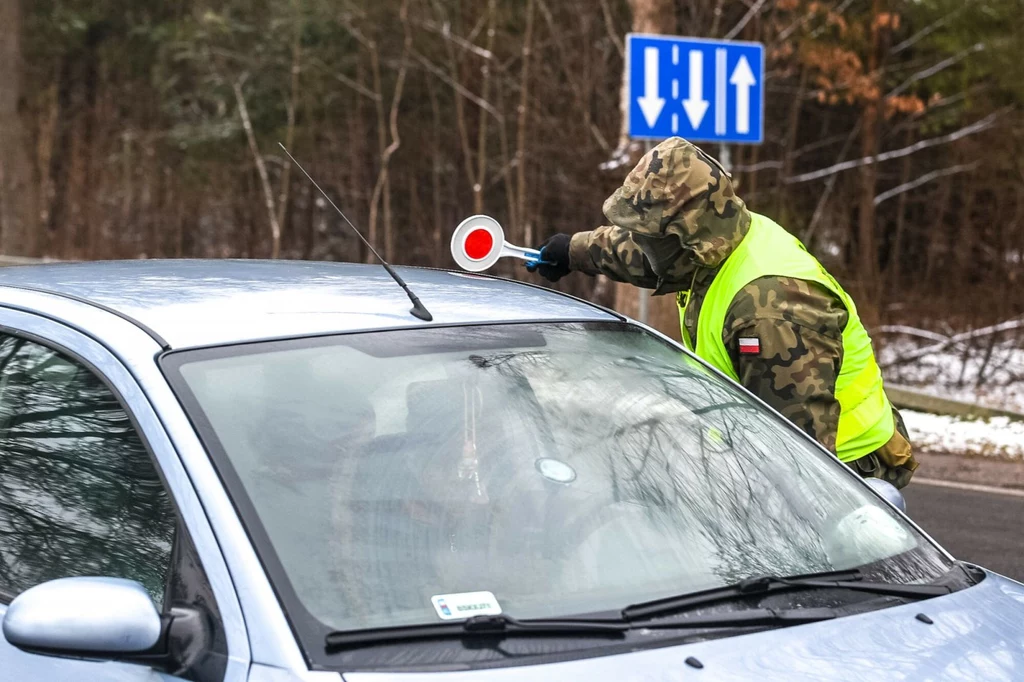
[798, 328]
[611, 252]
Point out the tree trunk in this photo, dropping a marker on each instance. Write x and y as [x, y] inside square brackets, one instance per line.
[18, 207]
[650, 16]
[867, 258]
[58, 172]
[895, 264]
[933, 245]
[437, 249]
[523, 231]
[481, 144]
[963, 239]
[293, 103]
[781, 207]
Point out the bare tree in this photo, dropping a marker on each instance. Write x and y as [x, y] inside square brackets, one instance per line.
[18, 207]
[649, 16]
[867, 260]
[261, 167]
[383, 184]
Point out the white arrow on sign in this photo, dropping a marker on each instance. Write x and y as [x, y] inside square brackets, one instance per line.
[650, 103]
[743, 79]
[696, 106]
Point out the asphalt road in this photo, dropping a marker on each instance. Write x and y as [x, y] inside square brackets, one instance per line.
[983, 528]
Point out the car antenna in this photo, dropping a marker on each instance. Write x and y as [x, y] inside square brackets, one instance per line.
[418, 310]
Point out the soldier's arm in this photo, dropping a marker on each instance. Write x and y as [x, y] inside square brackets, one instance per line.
[611, 252]
[798, 327]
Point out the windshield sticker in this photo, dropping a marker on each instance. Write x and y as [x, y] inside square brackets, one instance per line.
[465, 605]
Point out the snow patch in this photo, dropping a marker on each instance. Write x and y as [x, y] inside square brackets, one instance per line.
[615, 163]
[991, 378]
[982, 367]
[995, 437]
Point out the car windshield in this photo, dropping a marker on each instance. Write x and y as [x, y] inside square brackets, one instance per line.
[412, 476]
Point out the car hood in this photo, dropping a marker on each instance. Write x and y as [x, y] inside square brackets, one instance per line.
[976, 634]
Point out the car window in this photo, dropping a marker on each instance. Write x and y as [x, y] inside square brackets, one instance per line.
[79, 494]
[563, 468]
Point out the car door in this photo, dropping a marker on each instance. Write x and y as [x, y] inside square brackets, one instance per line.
[81, 494]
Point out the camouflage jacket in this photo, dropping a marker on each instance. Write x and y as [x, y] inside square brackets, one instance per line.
[674, 221]
[799, 325]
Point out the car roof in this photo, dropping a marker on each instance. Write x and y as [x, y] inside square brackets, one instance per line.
[189, 303]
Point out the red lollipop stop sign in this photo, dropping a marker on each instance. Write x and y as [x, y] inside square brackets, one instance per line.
[479, 242]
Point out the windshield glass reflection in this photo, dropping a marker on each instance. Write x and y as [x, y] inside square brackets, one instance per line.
[563, 468]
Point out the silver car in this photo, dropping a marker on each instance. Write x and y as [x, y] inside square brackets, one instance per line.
[271, 471]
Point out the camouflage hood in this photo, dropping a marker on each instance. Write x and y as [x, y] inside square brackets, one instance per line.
[679, 207]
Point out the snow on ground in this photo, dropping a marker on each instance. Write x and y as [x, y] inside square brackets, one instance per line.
[986, 374]
[995, 437]
[995, 381]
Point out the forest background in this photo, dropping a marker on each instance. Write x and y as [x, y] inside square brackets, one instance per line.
[894, 134]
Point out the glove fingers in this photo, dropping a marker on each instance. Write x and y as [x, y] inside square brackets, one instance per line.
[549, 273]
[553, 261]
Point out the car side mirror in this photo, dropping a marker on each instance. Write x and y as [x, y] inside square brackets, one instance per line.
[90, 617]
[888, 492]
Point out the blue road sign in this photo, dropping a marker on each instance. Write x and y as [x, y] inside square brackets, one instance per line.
[702, 90]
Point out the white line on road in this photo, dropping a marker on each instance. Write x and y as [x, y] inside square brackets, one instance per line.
[974, 487]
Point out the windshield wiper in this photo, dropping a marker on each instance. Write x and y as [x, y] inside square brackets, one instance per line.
[742, 618]
[638, 616]
[764, 585]
[481, 627]
[499, 627]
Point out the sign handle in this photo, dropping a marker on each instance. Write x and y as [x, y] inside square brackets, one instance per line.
[529, 255]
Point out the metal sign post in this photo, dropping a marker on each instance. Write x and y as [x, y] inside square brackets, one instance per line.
[725, 157]
[642, 308]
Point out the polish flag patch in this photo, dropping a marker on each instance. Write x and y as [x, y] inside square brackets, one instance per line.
[750, 346]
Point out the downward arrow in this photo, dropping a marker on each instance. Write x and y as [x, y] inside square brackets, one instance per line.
[651, 104]
[695, 104]
[743, 79]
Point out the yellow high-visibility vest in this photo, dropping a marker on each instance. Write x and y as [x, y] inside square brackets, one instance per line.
[866, 420]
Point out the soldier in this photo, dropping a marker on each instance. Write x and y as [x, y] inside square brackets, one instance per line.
[753, 302]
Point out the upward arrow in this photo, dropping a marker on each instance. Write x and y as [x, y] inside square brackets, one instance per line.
[743, 79]
[695, 104]
[650, 103]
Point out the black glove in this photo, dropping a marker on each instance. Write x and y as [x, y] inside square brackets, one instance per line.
[554, 258]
